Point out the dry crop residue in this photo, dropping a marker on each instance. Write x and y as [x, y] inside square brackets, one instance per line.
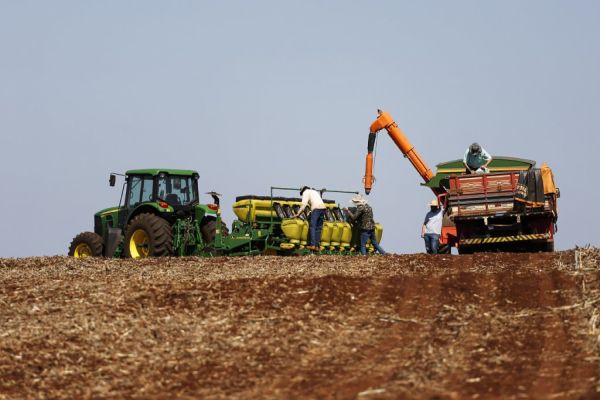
[408, 326]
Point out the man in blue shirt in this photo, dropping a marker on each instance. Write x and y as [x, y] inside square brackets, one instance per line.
[476, 159]
[432, 227]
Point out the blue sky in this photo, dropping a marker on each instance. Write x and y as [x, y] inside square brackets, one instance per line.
[254, 94]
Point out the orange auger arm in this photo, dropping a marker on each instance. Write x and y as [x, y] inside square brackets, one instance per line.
[384, 120]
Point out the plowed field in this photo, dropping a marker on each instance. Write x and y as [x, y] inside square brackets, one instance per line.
[504, 326]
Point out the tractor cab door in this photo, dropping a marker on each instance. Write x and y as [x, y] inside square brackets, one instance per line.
[139, 190]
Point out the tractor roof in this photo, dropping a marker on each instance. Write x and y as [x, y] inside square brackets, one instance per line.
[156, 171]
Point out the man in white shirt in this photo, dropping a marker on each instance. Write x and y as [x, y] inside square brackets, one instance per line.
[432, 227]
[317, 215]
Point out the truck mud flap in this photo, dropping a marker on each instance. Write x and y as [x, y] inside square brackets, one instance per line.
[504, 239]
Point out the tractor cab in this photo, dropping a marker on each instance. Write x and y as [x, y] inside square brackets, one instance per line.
[171, 193]
[168, 188]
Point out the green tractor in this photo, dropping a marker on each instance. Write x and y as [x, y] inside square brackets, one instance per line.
[160, 216]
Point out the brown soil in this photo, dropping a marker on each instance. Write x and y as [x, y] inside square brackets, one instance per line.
[410, 326]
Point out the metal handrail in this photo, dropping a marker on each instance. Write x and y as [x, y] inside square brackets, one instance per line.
[298, 189]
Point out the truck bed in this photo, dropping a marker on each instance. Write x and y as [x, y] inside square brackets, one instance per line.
[481, 195]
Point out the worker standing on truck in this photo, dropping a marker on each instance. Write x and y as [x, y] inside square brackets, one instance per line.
[364, 219]
[476, 159]
[317, 215]
[432, 227]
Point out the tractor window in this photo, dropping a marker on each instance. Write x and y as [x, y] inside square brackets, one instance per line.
[176, 190]
[147, 184]
[140, 190]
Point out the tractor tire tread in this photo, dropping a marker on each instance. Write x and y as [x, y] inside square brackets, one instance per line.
[159, 231]
[92, 239]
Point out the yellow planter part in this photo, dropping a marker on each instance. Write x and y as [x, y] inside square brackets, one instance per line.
[378, 232]
[249, 209]
[304, 239]
[326, 233]
[336, 234]
[292, 228]
[346, 239]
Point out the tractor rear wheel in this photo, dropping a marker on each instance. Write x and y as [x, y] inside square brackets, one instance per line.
[86, 244]
[148, 235]
[209, 230]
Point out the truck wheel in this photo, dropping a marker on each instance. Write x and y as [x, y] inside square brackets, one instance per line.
[86, 244]
[209, 230]
[148, 235]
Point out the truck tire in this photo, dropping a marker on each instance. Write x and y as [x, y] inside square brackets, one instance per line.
[148, 235]
[209, 230]
[86, 244]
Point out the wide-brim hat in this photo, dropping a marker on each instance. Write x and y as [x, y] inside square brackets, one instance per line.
[358, 199]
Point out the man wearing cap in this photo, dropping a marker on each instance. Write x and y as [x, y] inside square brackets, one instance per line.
[476, 159]
[432, 227]
[366, 224]
[317, 215]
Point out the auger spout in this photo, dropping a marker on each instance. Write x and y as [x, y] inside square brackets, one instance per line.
[385, 121]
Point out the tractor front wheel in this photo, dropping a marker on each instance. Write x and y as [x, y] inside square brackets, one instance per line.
[86, 244]
[148, 235]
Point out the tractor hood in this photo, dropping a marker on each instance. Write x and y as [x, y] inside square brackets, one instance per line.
[106, 211]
